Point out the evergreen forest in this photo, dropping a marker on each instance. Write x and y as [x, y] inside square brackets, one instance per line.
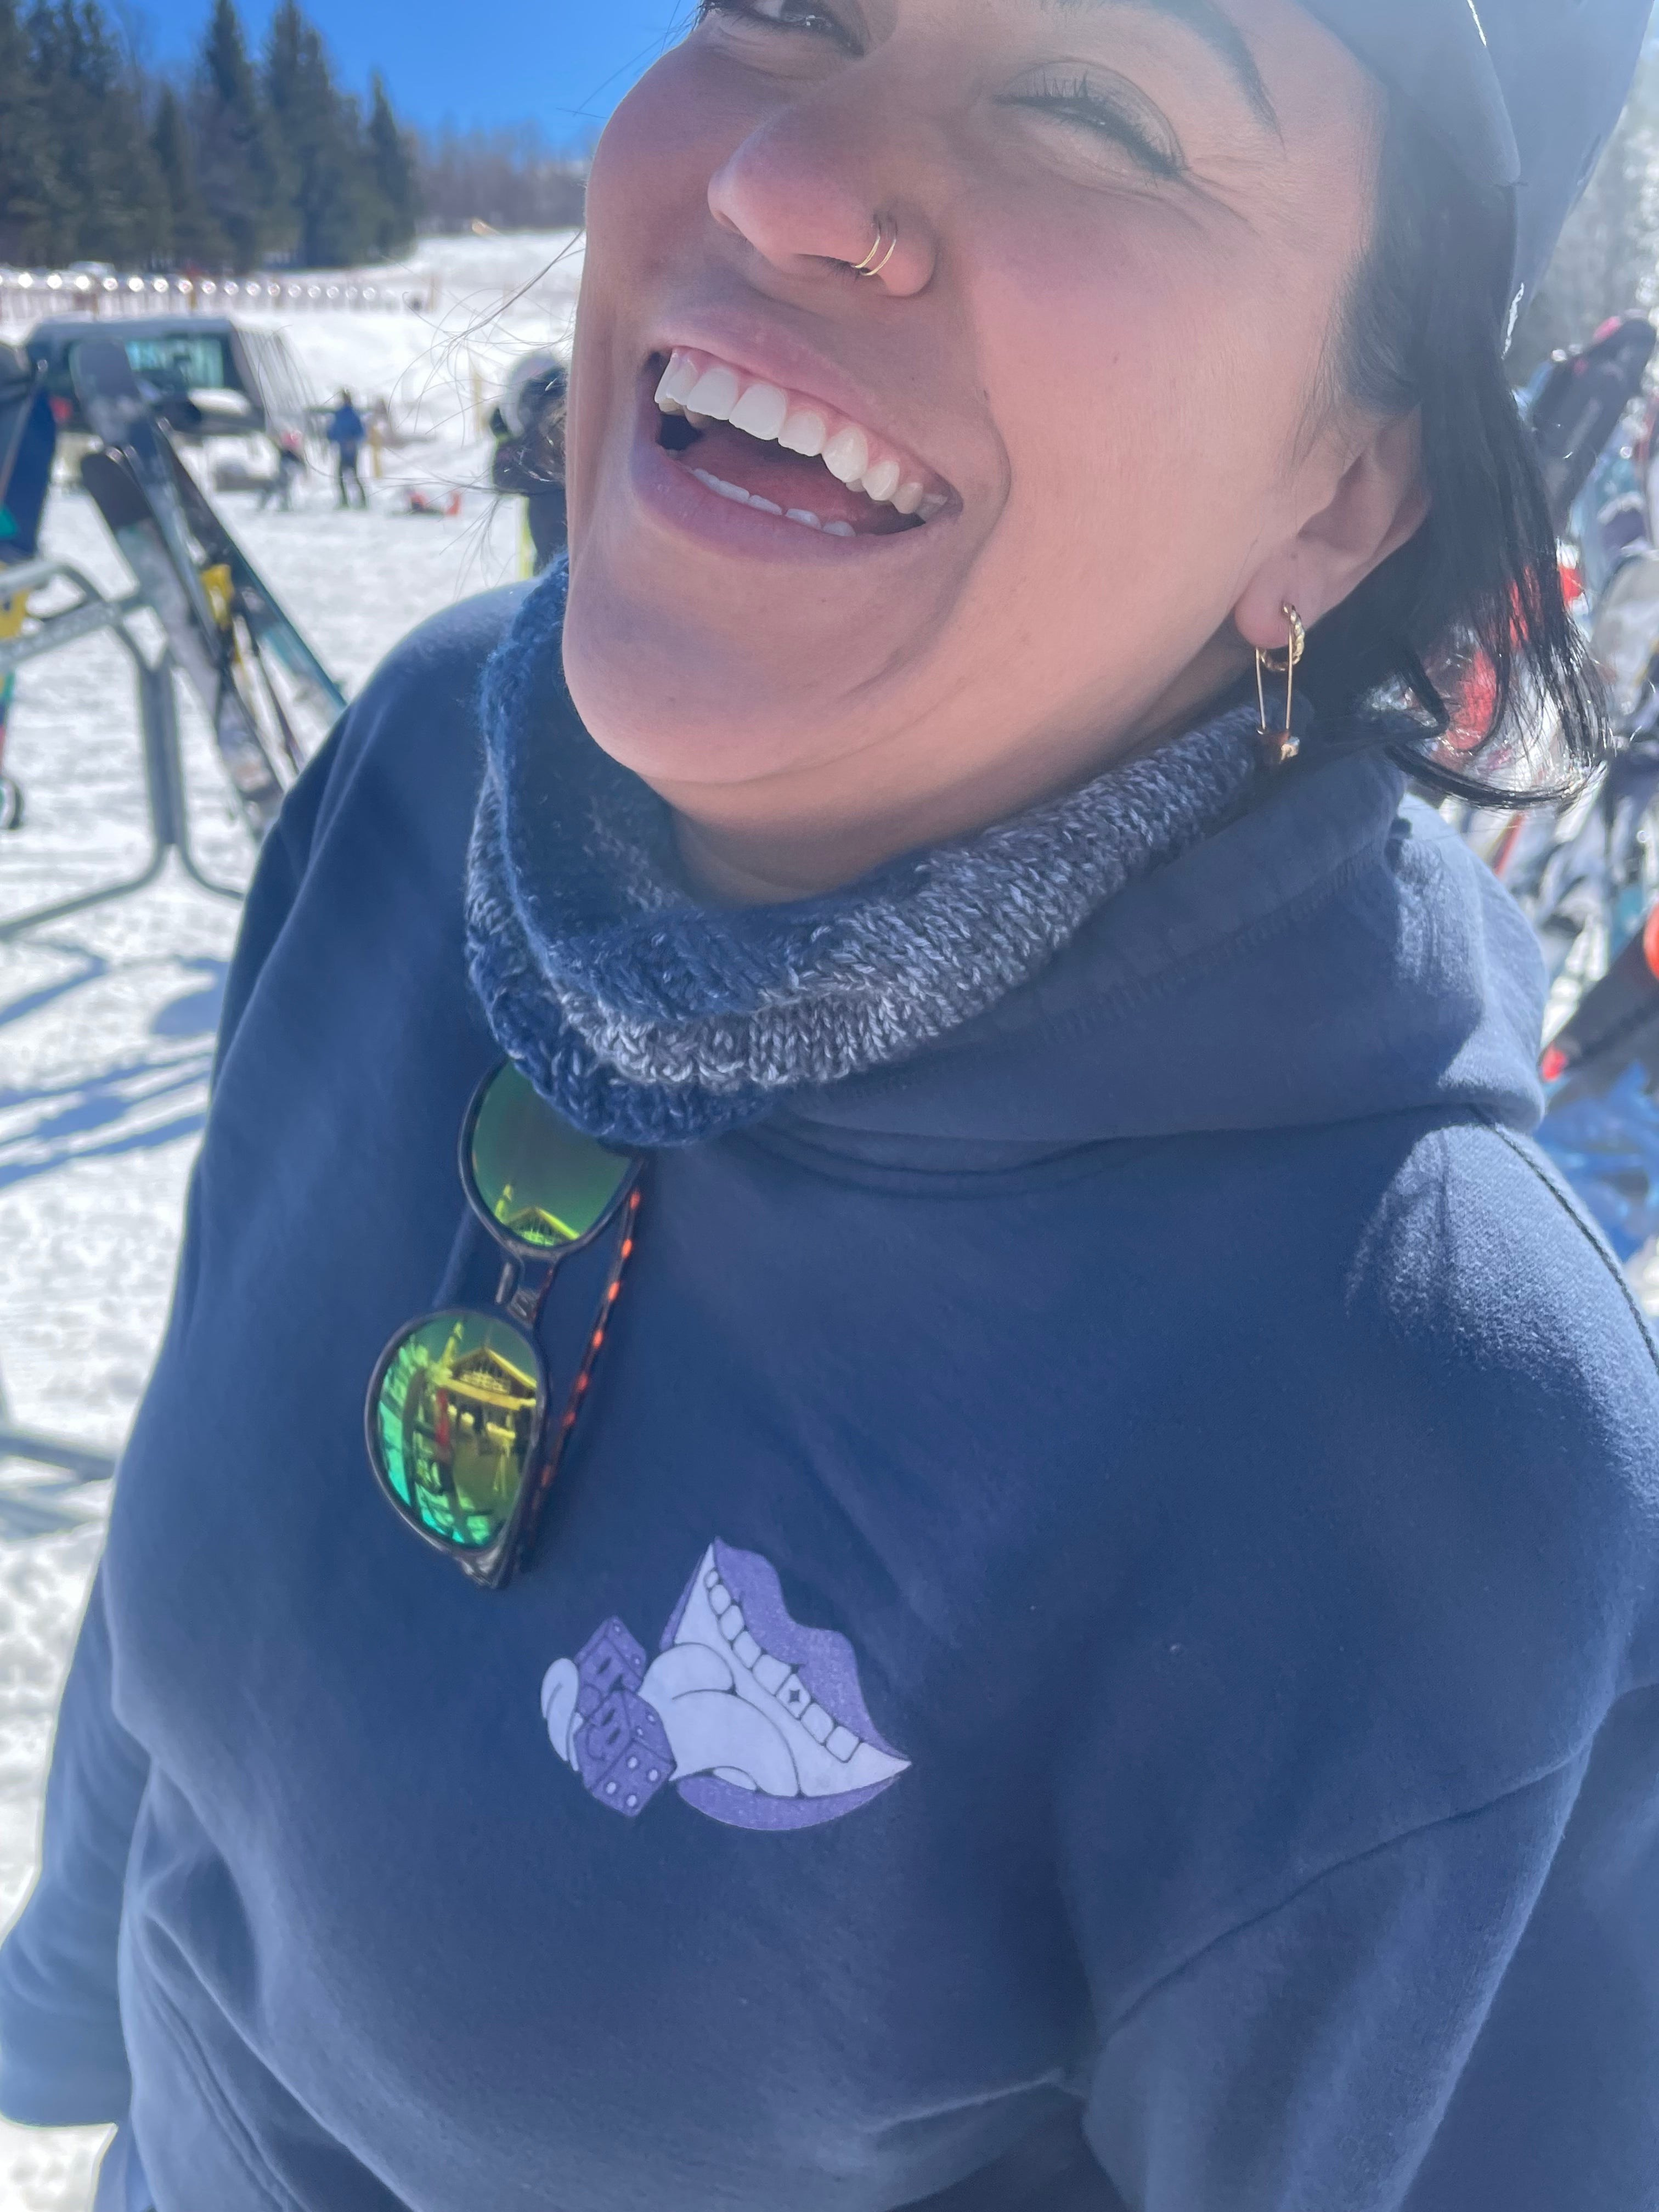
[243, 160]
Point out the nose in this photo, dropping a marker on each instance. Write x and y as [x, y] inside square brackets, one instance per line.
[817, 199]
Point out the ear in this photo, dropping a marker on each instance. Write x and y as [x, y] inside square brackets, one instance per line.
[1379, 503]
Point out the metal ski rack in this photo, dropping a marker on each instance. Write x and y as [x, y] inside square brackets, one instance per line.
[91, 613]
[72, 1460]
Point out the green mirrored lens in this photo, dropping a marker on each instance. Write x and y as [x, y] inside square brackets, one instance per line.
[455, 1422]
[541, 1181]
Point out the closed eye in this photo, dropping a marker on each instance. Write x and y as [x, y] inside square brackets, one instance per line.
[1110, 109]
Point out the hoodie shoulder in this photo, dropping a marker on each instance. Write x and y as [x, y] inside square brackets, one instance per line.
[410, 738]
[1513, 1388]
[372, 840]
[446, 654]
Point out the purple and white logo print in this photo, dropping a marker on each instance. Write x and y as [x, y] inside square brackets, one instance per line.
[754, 1719]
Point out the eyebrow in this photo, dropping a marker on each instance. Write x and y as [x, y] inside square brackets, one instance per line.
[1218, 31]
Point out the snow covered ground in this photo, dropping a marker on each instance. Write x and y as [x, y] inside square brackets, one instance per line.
[107, 1020]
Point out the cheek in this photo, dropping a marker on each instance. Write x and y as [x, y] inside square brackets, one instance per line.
[646, 201]
[647, 198]
[1149, 402]
[643, 159]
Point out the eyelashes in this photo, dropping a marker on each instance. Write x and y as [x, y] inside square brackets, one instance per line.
[1105, 106]
[1112, 110]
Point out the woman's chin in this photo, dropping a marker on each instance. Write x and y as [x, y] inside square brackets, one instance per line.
[685, 704]
[687, 674]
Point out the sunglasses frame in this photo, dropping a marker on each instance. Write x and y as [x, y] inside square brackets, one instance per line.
[519, 1247]
[526, 1278]
[485, 1563]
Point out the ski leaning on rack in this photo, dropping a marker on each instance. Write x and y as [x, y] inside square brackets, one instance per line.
[28, 437]
[267, 621]
[201, 650]
[132, 481]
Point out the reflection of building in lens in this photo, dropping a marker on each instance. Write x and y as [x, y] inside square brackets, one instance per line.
[529, 1223]
[540, 1180]
[469, 1418]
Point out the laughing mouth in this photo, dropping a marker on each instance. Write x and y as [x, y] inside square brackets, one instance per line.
[789, 456]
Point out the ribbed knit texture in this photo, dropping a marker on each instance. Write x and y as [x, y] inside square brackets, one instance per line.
[647, 1019]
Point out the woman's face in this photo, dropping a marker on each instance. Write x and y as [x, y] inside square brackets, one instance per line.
[1096, 369]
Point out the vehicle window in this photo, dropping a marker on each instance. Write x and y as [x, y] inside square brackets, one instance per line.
[181, 361]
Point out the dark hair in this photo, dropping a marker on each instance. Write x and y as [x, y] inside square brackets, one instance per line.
[534, 461]
[543, 445]
[1479, 587]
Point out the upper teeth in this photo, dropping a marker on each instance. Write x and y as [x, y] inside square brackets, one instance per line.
[711, 391]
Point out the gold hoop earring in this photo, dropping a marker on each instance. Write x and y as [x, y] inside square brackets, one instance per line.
[882, 250]
[1281, 745]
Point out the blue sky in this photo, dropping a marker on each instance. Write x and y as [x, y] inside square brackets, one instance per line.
[564, 62]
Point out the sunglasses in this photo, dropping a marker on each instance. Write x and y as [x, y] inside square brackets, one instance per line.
[457, 1419]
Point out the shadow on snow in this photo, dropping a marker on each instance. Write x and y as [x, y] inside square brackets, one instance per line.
[71, 1110]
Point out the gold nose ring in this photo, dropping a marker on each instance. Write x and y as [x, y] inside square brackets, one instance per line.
[882, 250]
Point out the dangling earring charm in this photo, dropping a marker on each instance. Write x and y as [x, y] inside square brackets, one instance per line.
[1281, 745]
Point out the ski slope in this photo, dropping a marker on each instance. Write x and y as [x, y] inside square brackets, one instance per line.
[107, 1020]
[487, 300]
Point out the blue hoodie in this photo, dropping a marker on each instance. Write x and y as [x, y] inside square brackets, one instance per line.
[1110, 1585]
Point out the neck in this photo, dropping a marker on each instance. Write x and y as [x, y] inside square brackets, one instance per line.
[800, 835]
[650, 1020]
[774, 858]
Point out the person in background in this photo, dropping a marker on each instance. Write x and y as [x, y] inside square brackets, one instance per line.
[291, 465]
[14, 612]
[346, 434]
[528, 426]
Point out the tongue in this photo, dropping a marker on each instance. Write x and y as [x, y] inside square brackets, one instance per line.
[767, 471]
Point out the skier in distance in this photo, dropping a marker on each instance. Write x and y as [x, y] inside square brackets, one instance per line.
[346, 434]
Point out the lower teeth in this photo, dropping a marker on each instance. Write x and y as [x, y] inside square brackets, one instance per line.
[801, 515]
[719, 484]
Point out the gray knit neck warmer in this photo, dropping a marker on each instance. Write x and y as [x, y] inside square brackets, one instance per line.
[650, 1020]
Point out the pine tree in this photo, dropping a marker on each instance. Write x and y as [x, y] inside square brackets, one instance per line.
[236, 162]
[393, 161]
[58, 224]
[96, 163]
[106, 201]
[28, 184]
[192, 236]
[511, 178]
[320, 133]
